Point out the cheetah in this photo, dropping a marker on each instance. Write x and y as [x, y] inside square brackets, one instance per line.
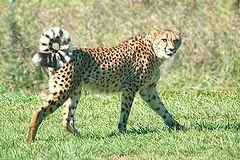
[131, 66]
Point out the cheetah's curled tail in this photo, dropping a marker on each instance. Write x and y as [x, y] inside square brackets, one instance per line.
[55, 48]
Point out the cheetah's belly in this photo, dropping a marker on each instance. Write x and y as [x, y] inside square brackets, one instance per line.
[105, 82]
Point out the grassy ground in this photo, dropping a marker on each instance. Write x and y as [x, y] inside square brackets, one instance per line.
[212, 121]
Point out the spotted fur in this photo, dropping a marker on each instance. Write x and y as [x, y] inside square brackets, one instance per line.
[129, 67]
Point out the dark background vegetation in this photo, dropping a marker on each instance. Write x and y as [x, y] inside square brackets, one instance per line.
[209, 57]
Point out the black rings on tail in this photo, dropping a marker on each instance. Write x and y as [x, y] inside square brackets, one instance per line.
[55, 48]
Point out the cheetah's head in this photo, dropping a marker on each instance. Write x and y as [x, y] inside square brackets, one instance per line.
[165, 43]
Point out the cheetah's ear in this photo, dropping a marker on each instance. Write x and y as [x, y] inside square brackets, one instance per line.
[179, 33]
[154, 31]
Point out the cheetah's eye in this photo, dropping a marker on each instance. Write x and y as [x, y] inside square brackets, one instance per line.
[164, 40]
[175, 41]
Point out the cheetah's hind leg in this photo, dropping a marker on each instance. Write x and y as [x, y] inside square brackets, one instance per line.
[126, 104]
[53, 102]
[69, 108]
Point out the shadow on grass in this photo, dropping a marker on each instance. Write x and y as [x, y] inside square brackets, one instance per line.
[134, 131]
[203, 126]
[142, 130]
[114, 134]
[213, 126]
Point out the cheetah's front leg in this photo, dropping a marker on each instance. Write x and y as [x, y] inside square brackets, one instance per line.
[150, 96]
[126, 104]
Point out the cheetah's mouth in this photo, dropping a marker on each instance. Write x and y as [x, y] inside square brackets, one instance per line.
[170, 54]
[164, 54]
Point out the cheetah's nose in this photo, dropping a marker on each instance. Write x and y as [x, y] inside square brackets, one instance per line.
[171, 49]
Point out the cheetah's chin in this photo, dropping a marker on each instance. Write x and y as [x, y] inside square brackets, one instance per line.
[164, 55]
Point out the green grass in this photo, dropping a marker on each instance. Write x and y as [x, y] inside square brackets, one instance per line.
[211, 118]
